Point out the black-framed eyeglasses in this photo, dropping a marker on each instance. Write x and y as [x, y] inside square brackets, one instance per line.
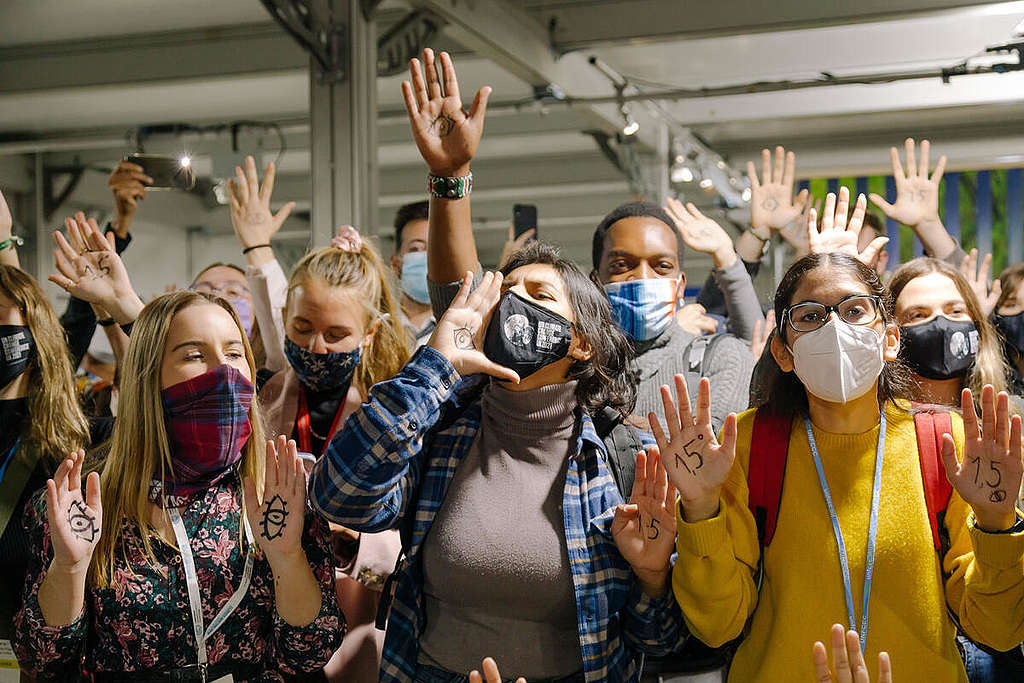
[856, 309]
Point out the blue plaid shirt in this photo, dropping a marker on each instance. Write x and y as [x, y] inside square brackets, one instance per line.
[391, 465]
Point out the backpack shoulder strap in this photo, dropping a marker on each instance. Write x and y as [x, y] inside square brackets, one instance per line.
[767, 469]
[622, 444]
[930, 426]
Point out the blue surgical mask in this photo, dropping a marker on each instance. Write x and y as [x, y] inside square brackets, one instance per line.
[321, 371]
[414, 276]
[643, 308]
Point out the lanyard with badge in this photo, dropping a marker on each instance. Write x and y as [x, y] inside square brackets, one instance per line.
[191, 578]
[869, 565]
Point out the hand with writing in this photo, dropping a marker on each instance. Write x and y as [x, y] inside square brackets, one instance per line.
[459, 335]
[445, 134]
[917, 195]
[701, 233]
[772, 205]
[277, 522]
[644, 530]
[90, 269]
[696, 463]
[840, 232]
[75, 521]
[978, 279]
[848, 660]
[251, 217]
[988, 477]
[491, 673]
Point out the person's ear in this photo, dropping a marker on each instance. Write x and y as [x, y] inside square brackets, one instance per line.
[396, 264]
[681, 286]
[891, 342]
[781, 354]
[580, 348]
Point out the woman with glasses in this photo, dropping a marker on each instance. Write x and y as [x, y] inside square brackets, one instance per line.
[851, 541]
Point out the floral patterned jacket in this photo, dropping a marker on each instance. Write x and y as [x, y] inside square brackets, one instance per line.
[141, 622]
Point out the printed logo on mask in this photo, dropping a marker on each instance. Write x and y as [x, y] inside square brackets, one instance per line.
[961, 345]
[15, 346]
[518, 330]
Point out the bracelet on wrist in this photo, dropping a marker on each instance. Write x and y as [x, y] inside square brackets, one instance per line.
[255, 247]
[11, 242]
[444, 187]
[759, 235]
[106, 322]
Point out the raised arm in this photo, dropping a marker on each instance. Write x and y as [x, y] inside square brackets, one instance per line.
[447, 137]
[917, 201]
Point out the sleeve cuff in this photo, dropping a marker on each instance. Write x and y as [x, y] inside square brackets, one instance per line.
[434, 370]
[1000, 550]
[700, 539]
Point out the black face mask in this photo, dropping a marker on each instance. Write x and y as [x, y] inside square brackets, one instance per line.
[940, 348]
[525, 337]
[1011, 327]
[17, 349]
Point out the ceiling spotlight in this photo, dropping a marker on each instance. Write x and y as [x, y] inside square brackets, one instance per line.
[746, 194]
[681, 174]
[185, 161]
[631, 126]
[707, 184]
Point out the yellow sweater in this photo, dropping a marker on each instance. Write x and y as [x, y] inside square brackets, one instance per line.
[802, 593]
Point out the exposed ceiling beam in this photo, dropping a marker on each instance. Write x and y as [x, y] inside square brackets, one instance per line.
[583, 24]
[516, 42]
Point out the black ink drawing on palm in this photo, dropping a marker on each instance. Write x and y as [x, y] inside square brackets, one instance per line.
[275, 517]
[82, 522]
[443, 125]
[692, 458]
[464, 339]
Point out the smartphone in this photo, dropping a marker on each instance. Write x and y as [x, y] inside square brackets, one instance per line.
[167, 172]
[524, 217]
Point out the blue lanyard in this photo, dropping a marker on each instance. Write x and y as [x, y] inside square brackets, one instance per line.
[10, 456]
[869, 566]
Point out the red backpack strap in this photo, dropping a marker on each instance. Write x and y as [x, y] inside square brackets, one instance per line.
[769, 445]
[930, 427]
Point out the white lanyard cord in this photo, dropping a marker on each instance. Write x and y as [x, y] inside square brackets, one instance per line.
[192, 580]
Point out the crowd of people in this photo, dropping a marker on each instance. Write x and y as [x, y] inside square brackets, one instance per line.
[416, 470]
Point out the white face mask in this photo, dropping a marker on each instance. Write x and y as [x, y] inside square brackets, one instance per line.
[838, 362]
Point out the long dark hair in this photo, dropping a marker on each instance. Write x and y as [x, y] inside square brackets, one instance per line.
[607, 379]
[783, 392]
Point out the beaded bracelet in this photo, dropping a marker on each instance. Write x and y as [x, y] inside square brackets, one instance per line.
[450, 188]
[13, 241]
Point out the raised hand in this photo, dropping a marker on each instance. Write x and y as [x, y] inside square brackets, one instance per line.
[978, 279]
[459, 335]
[128, 184]
[696, 463]
[491, 673]
[795, 232]
[989, 476]
[848, 659]
[762, 333]
[701, 233]
[446, 135]
[75, 522]
[917, 195]
[251, 218]
[694, 319]
[277, 522]
[90, 269]
[644, 529]
[839, 235]
[772, 205]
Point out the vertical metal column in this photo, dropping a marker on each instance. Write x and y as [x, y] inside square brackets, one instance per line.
[1014, 218]
[343, 124]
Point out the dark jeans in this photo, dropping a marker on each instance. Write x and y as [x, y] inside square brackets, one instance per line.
[985, 668]
[430, 674]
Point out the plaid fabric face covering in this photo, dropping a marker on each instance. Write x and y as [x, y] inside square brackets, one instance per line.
[207, 420]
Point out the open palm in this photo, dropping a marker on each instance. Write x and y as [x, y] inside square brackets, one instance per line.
[89, 268]
[772, 205]
[277, 522]
[839, 231]
[253, 221]
[459, 335]
[696, 463]
[75, 521]
[644, 530]
[989, 476]
[446, 135]
[917, 195]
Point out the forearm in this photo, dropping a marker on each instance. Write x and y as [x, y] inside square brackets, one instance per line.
[297, 593]
[118, 341]
[451, 248]
[62, 594]
[269, 288]
[749, 247]
[935, 238]
[744, 310]
[125, 308]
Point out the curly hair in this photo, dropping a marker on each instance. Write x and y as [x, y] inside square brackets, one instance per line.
[607, 378]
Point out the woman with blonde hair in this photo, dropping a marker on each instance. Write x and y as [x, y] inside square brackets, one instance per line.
[945, 339]
[41, 417]
[202, 561]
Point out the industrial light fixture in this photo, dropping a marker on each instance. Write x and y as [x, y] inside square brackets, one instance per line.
[185, 161]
